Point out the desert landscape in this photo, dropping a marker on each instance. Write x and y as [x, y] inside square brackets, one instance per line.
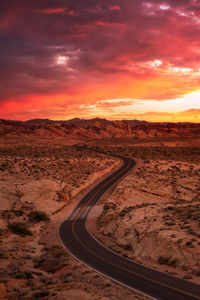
[99, 150]
[151, 216]
[41, 181]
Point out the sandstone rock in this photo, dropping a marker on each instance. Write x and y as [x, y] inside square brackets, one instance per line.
[3, 291]
[97, 129]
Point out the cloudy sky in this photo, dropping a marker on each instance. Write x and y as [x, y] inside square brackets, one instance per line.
[118, 59]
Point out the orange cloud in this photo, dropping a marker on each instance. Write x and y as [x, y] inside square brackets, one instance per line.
[192, 115]
[113, 103]
[98, 94]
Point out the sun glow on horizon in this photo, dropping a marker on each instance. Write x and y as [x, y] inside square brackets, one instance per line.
[179, 109]
[191, 100]
[111, 59]
[182, 109]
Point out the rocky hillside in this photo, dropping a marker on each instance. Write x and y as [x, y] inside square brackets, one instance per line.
[153, 214]
[97, 129]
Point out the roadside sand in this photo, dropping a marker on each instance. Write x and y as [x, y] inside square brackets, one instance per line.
[51, 179]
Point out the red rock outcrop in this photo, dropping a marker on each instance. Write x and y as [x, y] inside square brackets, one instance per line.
[97, 129]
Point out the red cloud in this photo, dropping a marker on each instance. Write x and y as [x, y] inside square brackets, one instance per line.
[110, 24]
[111, 52]
[52, 10]
[115, 7]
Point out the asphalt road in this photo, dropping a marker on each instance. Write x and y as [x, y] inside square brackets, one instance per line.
[82, 245]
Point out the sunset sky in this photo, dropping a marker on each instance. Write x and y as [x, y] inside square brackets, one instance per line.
[116, 59]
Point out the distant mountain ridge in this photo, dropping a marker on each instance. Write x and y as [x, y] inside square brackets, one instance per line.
[79, 122]
[96, 128]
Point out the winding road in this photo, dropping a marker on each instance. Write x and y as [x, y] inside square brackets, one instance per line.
[83, 246]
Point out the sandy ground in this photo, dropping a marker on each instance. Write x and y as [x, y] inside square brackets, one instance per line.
[39, 186]
[153, 215]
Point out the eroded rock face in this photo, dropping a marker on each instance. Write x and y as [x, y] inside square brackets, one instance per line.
[97, 129]
[123, 125]
[153, 217]
[120, 129]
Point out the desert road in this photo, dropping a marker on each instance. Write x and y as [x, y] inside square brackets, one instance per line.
[80, 243]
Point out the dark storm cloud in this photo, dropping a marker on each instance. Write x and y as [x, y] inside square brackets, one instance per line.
[29, 68]
[97, 37]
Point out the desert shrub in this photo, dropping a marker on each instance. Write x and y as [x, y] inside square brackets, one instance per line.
[127, 247]
[187, 276]
[40, 294]
[39, 261]
[110, 205]
[38, 216]
[19, 228]
[106, 207]
[188, 243]
[58, 251]
[3, 254]
[198, 272]
[28, 275]
[179, 241]
[163, 260]
[172, 262]
[24, 275]
[17, 213]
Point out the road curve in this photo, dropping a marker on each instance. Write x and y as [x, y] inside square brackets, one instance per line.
[83, 246]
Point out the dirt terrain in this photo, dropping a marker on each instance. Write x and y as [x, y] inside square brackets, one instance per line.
[40, 183]
[153, 215]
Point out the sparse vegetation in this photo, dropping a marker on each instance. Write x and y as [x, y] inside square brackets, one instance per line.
[19, 228]
[38, 216]
[41, 294]
[36, 264]
[163, 211]
[163, 260]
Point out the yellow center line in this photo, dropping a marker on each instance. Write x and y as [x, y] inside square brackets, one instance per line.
[117, 266]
